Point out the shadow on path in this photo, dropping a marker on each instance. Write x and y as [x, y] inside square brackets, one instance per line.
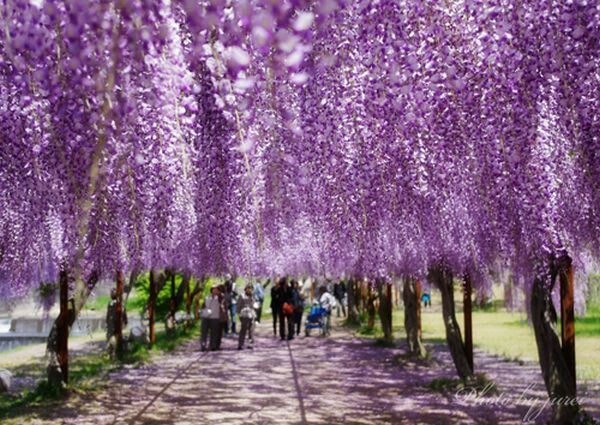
[343, 379]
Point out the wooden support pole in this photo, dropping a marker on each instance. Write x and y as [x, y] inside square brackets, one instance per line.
[152, 307]
[567, 318]
[418, 296]
[119, 314]
[468, 312]
[63, 326]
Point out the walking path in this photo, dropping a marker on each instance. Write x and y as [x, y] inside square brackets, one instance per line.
[342, 379]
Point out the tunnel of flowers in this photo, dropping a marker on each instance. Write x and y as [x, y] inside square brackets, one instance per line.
[366, 140]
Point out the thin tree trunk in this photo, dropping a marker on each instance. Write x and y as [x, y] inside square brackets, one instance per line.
[188, 305]
[119, 315]
[152, 307]
[555, 370]
[353, 314]
[57, 344]
[443, 280]
[370, 307]
[468, 316]
[412, 318]
[385, 310]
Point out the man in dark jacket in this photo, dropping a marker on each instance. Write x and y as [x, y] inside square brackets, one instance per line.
[276, 303]
[287, 301]
[339, 292]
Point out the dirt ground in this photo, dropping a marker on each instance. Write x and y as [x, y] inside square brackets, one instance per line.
[314, 380]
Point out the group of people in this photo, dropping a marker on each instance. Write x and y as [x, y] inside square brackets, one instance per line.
[219, 312]
[287, 306]
[288, 301]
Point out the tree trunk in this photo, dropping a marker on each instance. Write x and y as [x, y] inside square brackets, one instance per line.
[385, 310]
[412, 318]
[443, 280]
[196, 295]
[119, 315]
[468, 315]
[57, 344]
[370, 307]
[567, 317]
[557, 376]
[353, 314]
[152, 307]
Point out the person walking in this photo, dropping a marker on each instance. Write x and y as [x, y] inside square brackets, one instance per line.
[210, 320]
[231, 297]
[339, 292]
[223, 316]
[328, 303]
[286, 313]
[298, 301]
[276, 303]
[245, 309]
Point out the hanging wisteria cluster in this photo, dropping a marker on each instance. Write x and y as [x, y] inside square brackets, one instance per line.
[326, 137]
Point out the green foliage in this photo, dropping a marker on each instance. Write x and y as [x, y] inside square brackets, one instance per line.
[593, 295]
[163, 299]
[99, 303]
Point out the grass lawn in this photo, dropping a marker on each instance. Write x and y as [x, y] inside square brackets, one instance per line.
[508, 334]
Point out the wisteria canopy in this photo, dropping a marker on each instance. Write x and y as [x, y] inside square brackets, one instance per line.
[256, 137]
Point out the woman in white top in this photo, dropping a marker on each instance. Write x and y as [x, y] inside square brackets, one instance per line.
[210, 314]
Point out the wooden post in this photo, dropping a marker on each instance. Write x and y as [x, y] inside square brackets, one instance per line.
[151, 307]
[468, 312]
[418, 296]
[567, 318]
[63, 326]
[119, 314]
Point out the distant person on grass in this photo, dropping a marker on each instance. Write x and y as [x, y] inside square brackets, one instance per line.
[245, 309]
[210, 319]
[426, 299]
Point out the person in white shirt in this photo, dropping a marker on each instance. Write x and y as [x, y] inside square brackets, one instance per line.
[210, 314]
[327, 302]
[245, 309]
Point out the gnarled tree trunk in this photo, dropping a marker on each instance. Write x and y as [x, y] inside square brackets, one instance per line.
[442, 277]
[57, 344]
[412, 318]
[557, 376]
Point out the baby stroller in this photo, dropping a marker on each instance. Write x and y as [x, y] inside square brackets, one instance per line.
[317, 319]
